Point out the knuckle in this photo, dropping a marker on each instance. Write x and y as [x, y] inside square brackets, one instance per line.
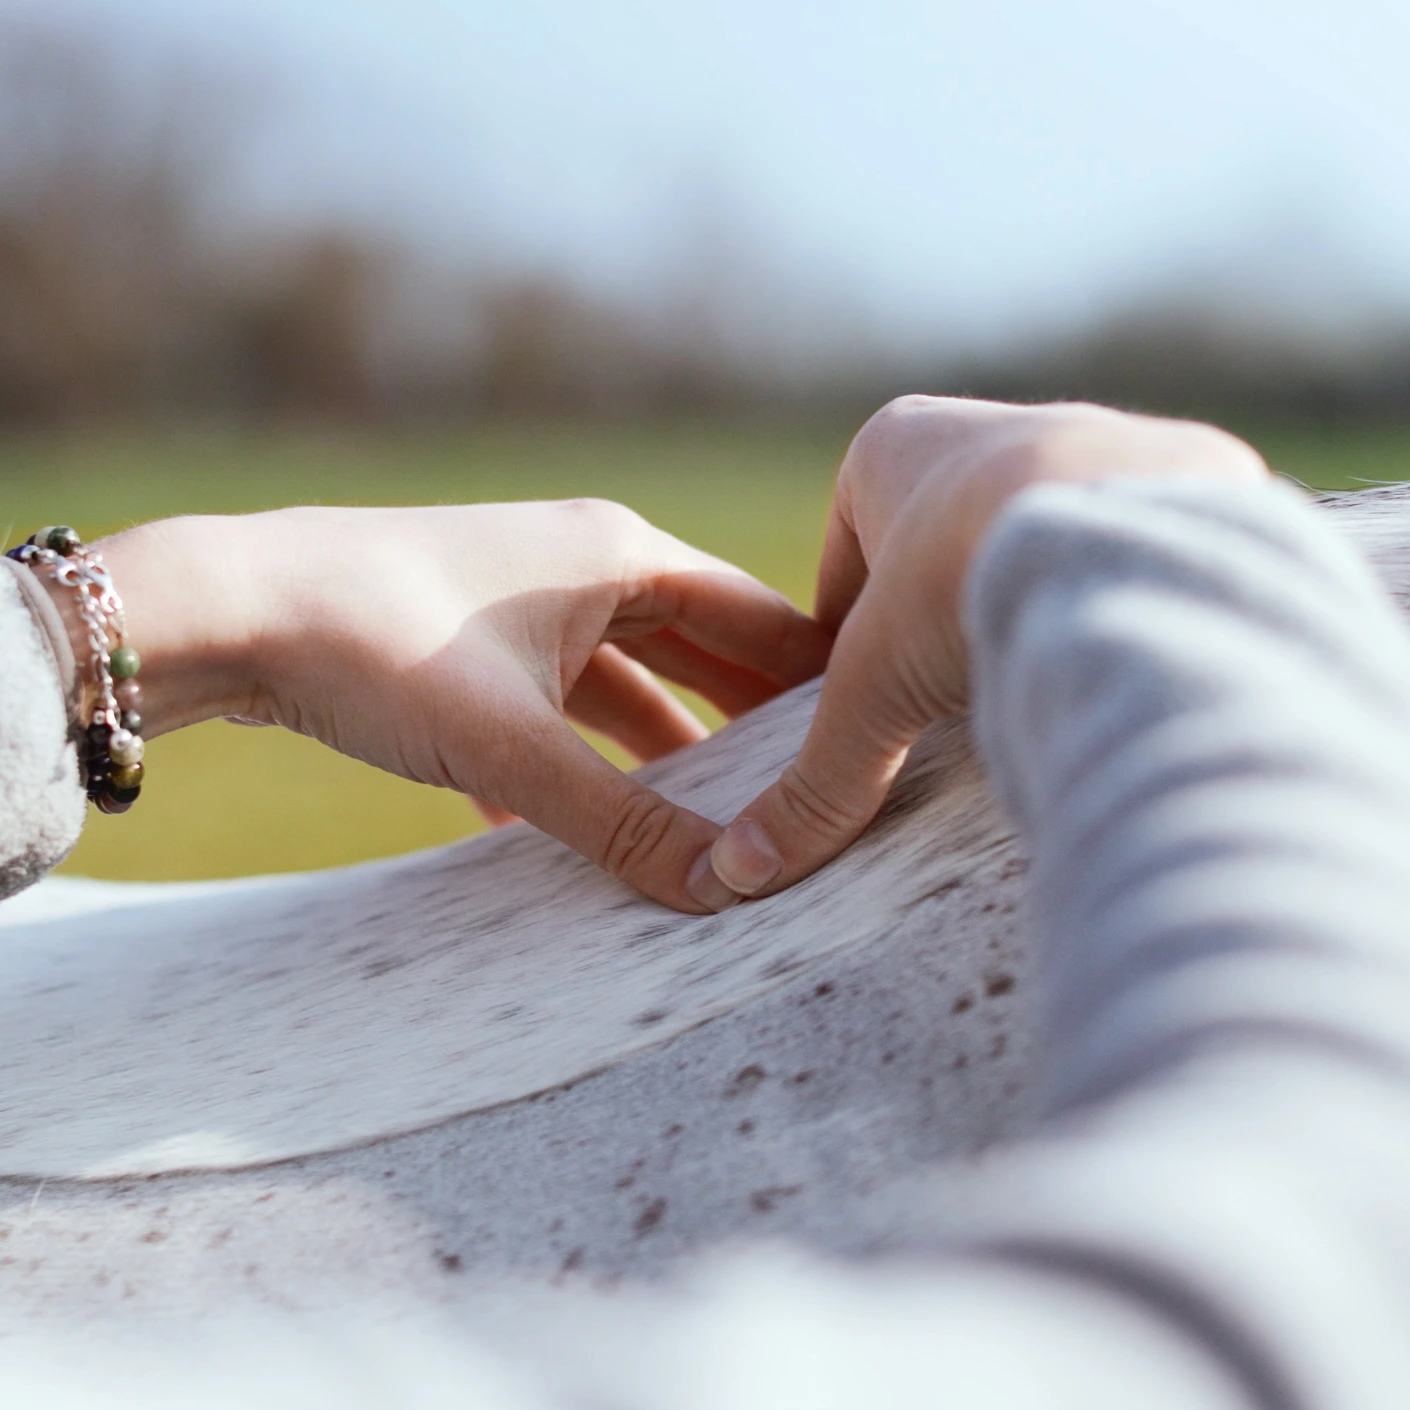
[637, 835]
[606, 538]
[807, 808]
[603, 517]
[611, 528]
[894, 434]
[905, 407]
[1228, 449]
[884, 425]
[585, 506]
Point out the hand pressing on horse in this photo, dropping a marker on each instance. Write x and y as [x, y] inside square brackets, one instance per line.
[917, 491]
[454, 645]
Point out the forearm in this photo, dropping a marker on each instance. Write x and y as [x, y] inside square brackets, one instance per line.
[1197, 703]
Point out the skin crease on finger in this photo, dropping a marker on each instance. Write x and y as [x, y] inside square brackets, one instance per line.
[917, 491]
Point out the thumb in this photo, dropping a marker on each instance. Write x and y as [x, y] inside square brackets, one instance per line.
[891, 674]
[555, 780]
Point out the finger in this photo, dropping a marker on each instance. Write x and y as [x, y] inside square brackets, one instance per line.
[554, 779]
[843, 571]
[720, 608]
[888, 680]
[743, 622]
[494, 817]
[888, 457]
[729, 688]
[622, 700]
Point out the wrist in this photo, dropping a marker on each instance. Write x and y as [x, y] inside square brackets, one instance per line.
[79, 685]
[194, 595]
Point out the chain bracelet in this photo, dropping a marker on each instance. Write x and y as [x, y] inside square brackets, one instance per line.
[112, 745]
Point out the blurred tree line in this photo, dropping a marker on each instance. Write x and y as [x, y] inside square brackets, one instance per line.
[131, 289]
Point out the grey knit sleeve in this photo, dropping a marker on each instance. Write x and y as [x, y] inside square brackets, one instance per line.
[41, 799]
[1196, 701]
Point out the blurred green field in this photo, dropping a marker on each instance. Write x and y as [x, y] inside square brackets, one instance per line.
[227, 801]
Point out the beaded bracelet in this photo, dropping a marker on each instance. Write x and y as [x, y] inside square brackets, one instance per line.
[112, 744]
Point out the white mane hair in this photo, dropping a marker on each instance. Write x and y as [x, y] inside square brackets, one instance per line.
[400, 1085]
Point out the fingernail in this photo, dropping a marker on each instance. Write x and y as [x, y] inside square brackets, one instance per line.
[745, 858]
[707, 888]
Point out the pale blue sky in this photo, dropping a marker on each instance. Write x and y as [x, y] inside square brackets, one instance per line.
[941, 165]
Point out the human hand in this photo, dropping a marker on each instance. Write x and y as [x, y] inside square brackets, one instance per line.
[448, 645]
[917, 491]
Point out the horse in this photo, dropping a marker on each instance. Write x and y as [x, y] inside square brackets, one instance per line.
[492, 1062]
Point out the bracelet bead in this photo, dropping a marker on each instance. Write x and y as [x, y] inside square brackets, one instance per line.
[125, 776]
[128, 694]
[126, 747]
[62, 539]
[124, 663]
[132, 720]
